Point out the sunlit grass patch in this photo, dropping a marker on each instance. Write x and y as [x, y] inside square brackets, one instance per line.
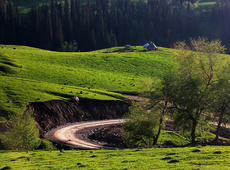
[154, 158]
[32, 74]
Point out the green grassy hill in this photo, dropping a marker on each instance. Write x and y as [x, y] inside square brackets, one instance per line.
[30, 74]
[209, 157]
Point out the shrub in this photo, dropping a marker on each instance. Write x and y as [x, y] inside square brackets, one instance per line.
[23, 133]
[46, 145]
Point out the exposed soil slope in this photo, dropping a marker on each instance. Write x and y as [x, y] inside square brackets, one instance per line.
[51, 114]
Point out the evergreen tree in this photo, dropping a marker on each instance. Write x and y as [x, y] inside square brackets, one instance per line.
[67, 23]
[34, 26]
[56, 25]
[93, 43]
[49, 30]
[18, 26]
[2, 21]
[10, 22]
[2, 13]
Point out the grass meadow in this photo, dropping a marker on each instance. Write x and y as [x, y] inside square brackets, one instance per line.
[208, 157]
[33, 75]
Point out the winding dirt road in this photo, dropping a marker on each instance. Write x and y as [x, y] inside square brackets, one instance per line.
[67, 134]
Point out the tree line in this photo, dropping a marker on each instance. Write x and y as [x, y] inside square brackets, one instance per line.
[72, 25]
[88, 26]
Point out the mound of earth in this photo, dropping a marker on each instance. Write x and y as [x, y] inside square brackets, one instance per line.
[51, 114]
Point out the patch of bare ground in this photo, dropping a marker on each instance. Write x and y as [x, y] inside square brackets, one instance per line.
[112, 135]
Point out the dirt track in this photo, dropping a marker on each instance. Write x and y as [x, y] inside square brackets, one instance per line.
[67, 135]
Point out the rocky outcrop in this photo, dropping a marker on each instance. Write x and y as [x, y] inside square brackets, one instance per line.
[51, 114]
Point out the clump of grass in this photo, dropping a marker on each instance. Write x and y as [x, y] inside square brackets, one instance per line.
[173, 161]
[166, 158]
[217, 152]
[196, 150]
[172, 154]
[126, 161]
[6, 168]
[6, 69]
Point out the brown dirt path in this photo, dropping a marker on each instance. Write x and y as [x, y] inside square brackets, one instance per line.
[67, 134]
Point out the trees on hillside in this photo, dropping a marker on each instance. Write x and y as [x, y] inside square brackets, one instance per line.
[146, 118]
[199, 86]
[142, 125]
[94, 26]
[198, 72]
[220, 101]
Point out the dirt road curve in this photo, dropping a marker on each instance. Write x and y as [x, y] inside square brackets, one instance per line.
[68, 133]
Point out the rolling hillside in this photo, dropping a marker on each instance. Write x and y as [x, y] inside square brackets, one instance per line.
[31, 74]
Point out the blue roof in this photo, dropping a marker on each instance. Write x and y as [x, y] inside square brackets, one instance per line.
[146, 45]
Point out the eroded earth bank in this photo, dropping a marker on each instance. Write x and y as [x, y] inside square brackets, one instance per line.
[51, 114]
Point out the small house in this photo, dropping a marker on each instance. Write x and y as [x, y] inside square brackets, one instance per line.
[146, 45]
[152, 46]
[128, 46]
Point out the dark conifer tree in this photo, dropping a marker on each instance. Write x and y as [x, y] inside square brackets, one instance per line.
[100, 28]
[67, 23]
[93, 43]
[34, 26]
[18, 28]
[2, 21]
[48, 31]
[10, 22]
[74, 19]
[2, 13]
[56, 25]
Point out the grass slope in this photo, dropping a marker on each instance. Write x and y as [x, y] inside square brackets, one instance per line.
[30, 74]
[209, 157]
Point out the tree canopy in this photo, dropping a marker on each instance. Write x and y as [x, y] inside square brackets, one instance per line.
[199, 86]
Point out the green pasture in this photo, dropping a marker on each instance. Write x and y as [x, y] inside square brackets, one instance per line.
[16, 93]
[29, 74]
[96, 69]
[208, 157]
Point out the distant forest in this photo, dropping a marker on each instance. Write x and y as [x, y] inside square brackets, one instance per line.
[72, 25]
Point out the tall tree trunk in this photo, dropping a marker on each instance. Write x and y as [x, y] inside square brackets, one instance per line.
[218, 126]
[159, 131]
[160, 123]
[217, 131]
[193, 133]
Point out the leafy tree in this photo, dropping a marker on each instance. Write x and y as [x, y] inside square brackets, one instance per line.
[142, 124]
[220, 100]
[22, 134]
[69, 47]
[146, 118]
[198, 71]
